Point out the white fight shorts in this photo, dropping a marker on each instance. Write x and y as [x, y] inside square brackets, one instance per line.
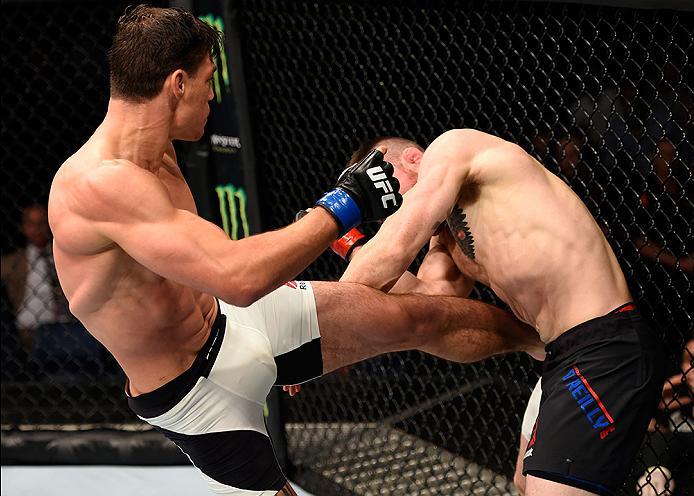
[214, 410]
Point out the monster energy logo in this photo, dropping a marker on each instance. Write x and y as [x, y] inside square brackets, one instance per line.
[217, 23]
[232, 207]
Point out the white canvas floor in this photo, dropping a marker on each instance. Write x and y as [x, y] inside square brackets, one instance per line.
[104, 481]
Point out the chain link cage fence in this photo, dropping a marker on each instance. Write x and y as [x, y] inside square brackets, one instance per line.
[602, 96]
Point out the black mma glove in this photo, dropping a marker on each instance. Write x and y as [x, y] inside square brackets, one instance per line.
[365, 192]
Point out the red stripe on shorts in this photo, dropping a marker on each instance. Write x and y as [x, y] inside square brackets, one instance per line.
[594, 394]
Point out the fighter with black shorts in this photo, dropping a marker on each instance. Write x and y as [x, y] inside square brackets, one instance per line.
[601, 381]
[492, 214]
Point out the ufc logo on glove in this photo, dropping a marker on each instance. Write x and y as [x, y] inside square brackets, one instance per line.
[380, 180]
[357, 196]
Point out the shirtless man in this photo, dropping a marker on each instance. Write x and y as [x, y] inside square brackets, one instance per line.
[493, 214]
[202, 325]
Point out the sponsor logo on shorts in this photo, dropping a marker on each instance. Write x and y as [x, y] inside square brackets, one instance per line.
[528, 453]
[588, 401]
[296, 284]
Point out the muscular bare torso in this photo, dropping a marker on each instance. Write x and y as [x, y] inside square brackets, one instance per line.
[152, 326]
[528, 237]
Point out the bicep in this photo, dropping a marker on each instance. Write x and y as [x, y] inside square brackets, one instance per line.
[424, 208]
[444, 170]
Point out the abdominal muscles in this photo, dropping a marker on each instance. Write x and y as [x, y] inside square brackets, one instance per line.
[541, 253]
[152, 326]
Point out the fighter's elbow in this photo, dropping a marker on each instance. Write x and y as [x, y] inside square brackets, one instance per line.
[238, 290]
[239, 298]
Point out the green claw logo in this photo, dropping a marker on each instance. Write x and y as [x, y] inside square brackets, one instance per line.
[232, 207]
[217, 23]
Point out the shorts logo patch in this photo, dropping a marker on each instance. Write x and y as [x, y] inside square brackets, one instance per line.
[296, 284]
[588, 401]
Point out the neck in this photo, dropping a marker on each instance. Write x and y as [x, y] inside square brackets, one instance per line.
[138, 132]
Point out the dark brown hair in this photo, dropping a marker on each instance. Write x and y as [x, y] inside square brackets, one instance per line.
[365, 148]
[153, 42]
[369, 145]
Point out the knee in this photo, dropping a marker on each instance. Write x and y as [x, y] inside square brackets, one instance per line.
[405, 325]
[518, 478]
[421, 326]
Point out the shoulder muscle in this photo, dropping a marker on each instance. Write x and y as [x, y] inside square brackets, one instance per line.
[471, 155]
[119, 191]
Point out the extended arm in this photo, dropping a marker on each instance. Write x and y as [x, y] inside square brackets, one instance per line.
[131, 207]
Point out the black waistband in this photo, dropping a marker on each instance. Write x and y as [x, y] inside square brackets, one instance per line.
[591, 329]
[165, 397]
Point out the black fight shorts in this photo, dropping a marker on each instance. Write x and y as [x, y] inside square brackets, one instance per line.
[601, 383]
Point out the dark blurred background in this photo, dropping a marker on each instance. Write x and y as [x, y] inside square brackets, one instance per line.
[601, 95]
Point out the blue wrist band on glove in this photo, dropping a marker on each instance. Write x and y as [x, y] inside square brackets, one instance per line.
[343, 208]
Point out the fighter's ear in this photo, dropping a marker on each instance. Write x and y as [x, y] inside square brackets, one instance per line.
[412, 155]
[178, 80]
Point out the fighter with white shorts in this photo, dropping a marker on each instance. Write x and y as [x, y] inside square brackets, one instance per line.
[214, 410]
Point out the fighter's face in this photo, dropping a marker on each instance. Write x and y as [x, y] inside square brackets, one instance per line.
[406, 180]
[35, 226]
[570, 157]
[402, 172]
[193, 108]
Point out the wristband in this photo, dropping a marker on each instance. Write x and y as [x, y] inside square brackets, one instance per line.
[343, 208]
[344, 246]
